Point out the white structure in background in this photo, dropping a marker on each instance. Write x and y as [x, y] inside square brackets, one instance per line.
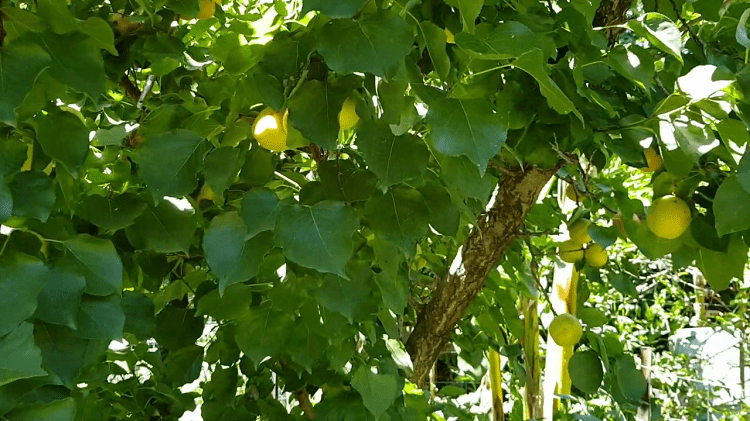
[717, 355]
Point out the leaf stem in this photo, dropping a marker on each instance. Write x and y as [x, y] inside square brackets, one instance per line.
[5, 243]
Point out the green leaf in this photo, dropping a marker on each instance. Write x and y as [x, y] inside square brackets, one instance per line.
[22, 278]
[221, 168]
[743, 171]
[629, 379]
[64, 354]
[64, 138]
[399, 216]
[169, 163]
[534, 64]
[260, 208]
[586, 371]
[76, 62]
[592, 317]
[469, 11]
[660, 31]
[22, 359]
[314, 111]
[59, 300]
[318, 236]
[505, 41]
[6, 201]
[232, 304]
[344, 296]
[57, 410]
[460, 174]
[378, 391]
[720, 268]
[100, 263]
[184, 365]
[394, 159]
[139, 314]
[392, 281]
[56, 14]
[435, 39]
[333, 9]
[20, 64]
[101, 317]
[373, 44]
[731, 207]
[706, 81]
[466, 127]
[164, 229]
[444, 214]
[100, 32]
[230, 256]
[177, 327]
[633, 62]
[33, 195]
[258, 338]
[112, 212]
[694, 138]
[12, 156]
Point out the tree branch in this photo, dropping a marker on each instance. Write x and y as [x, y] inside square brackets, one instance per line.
[495, 231]
[304, 402]
[610, 14]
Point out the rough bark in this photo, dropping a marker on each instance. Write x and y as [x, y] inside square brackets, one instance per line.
[610, 13]
[495, 231]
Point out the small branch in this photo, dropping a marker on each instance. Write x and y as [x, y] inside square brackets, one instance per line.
[146, 90]
[304, 402]
[131, 90]
[689, 27]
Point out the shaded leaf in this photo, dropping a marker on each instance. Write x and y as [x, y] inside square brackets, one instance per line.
[318, 236]
[33, 195]
[22, 278]
[399, 216]
[111, 213]
[177, 327]
[258, 338]
[230, 256]
[101, 317]
[333, 9]
[164, 229]
[731, 207]
[466, 127]
[64, 138]
[139, 314]
[373, 44]
[22, 359]
[169, 163]
[394, 159]
[260, 208]
[378, 391]
[100, 263]
[20, 64]
[57, 410]
[534, 64]
[59, 300]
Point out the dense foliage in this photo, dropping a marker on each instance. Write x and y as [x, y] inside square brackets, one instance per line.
[138, 206]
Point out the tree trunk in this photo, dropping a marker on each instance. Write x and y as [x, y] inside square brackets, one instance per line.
[495, 231]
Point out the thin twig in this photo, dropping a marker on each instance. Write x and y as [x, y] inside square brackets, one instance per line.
[690, 29]
[534, 266]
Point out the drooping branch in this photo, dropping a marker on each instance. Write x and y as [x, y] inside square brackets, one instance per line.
[495, 231]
